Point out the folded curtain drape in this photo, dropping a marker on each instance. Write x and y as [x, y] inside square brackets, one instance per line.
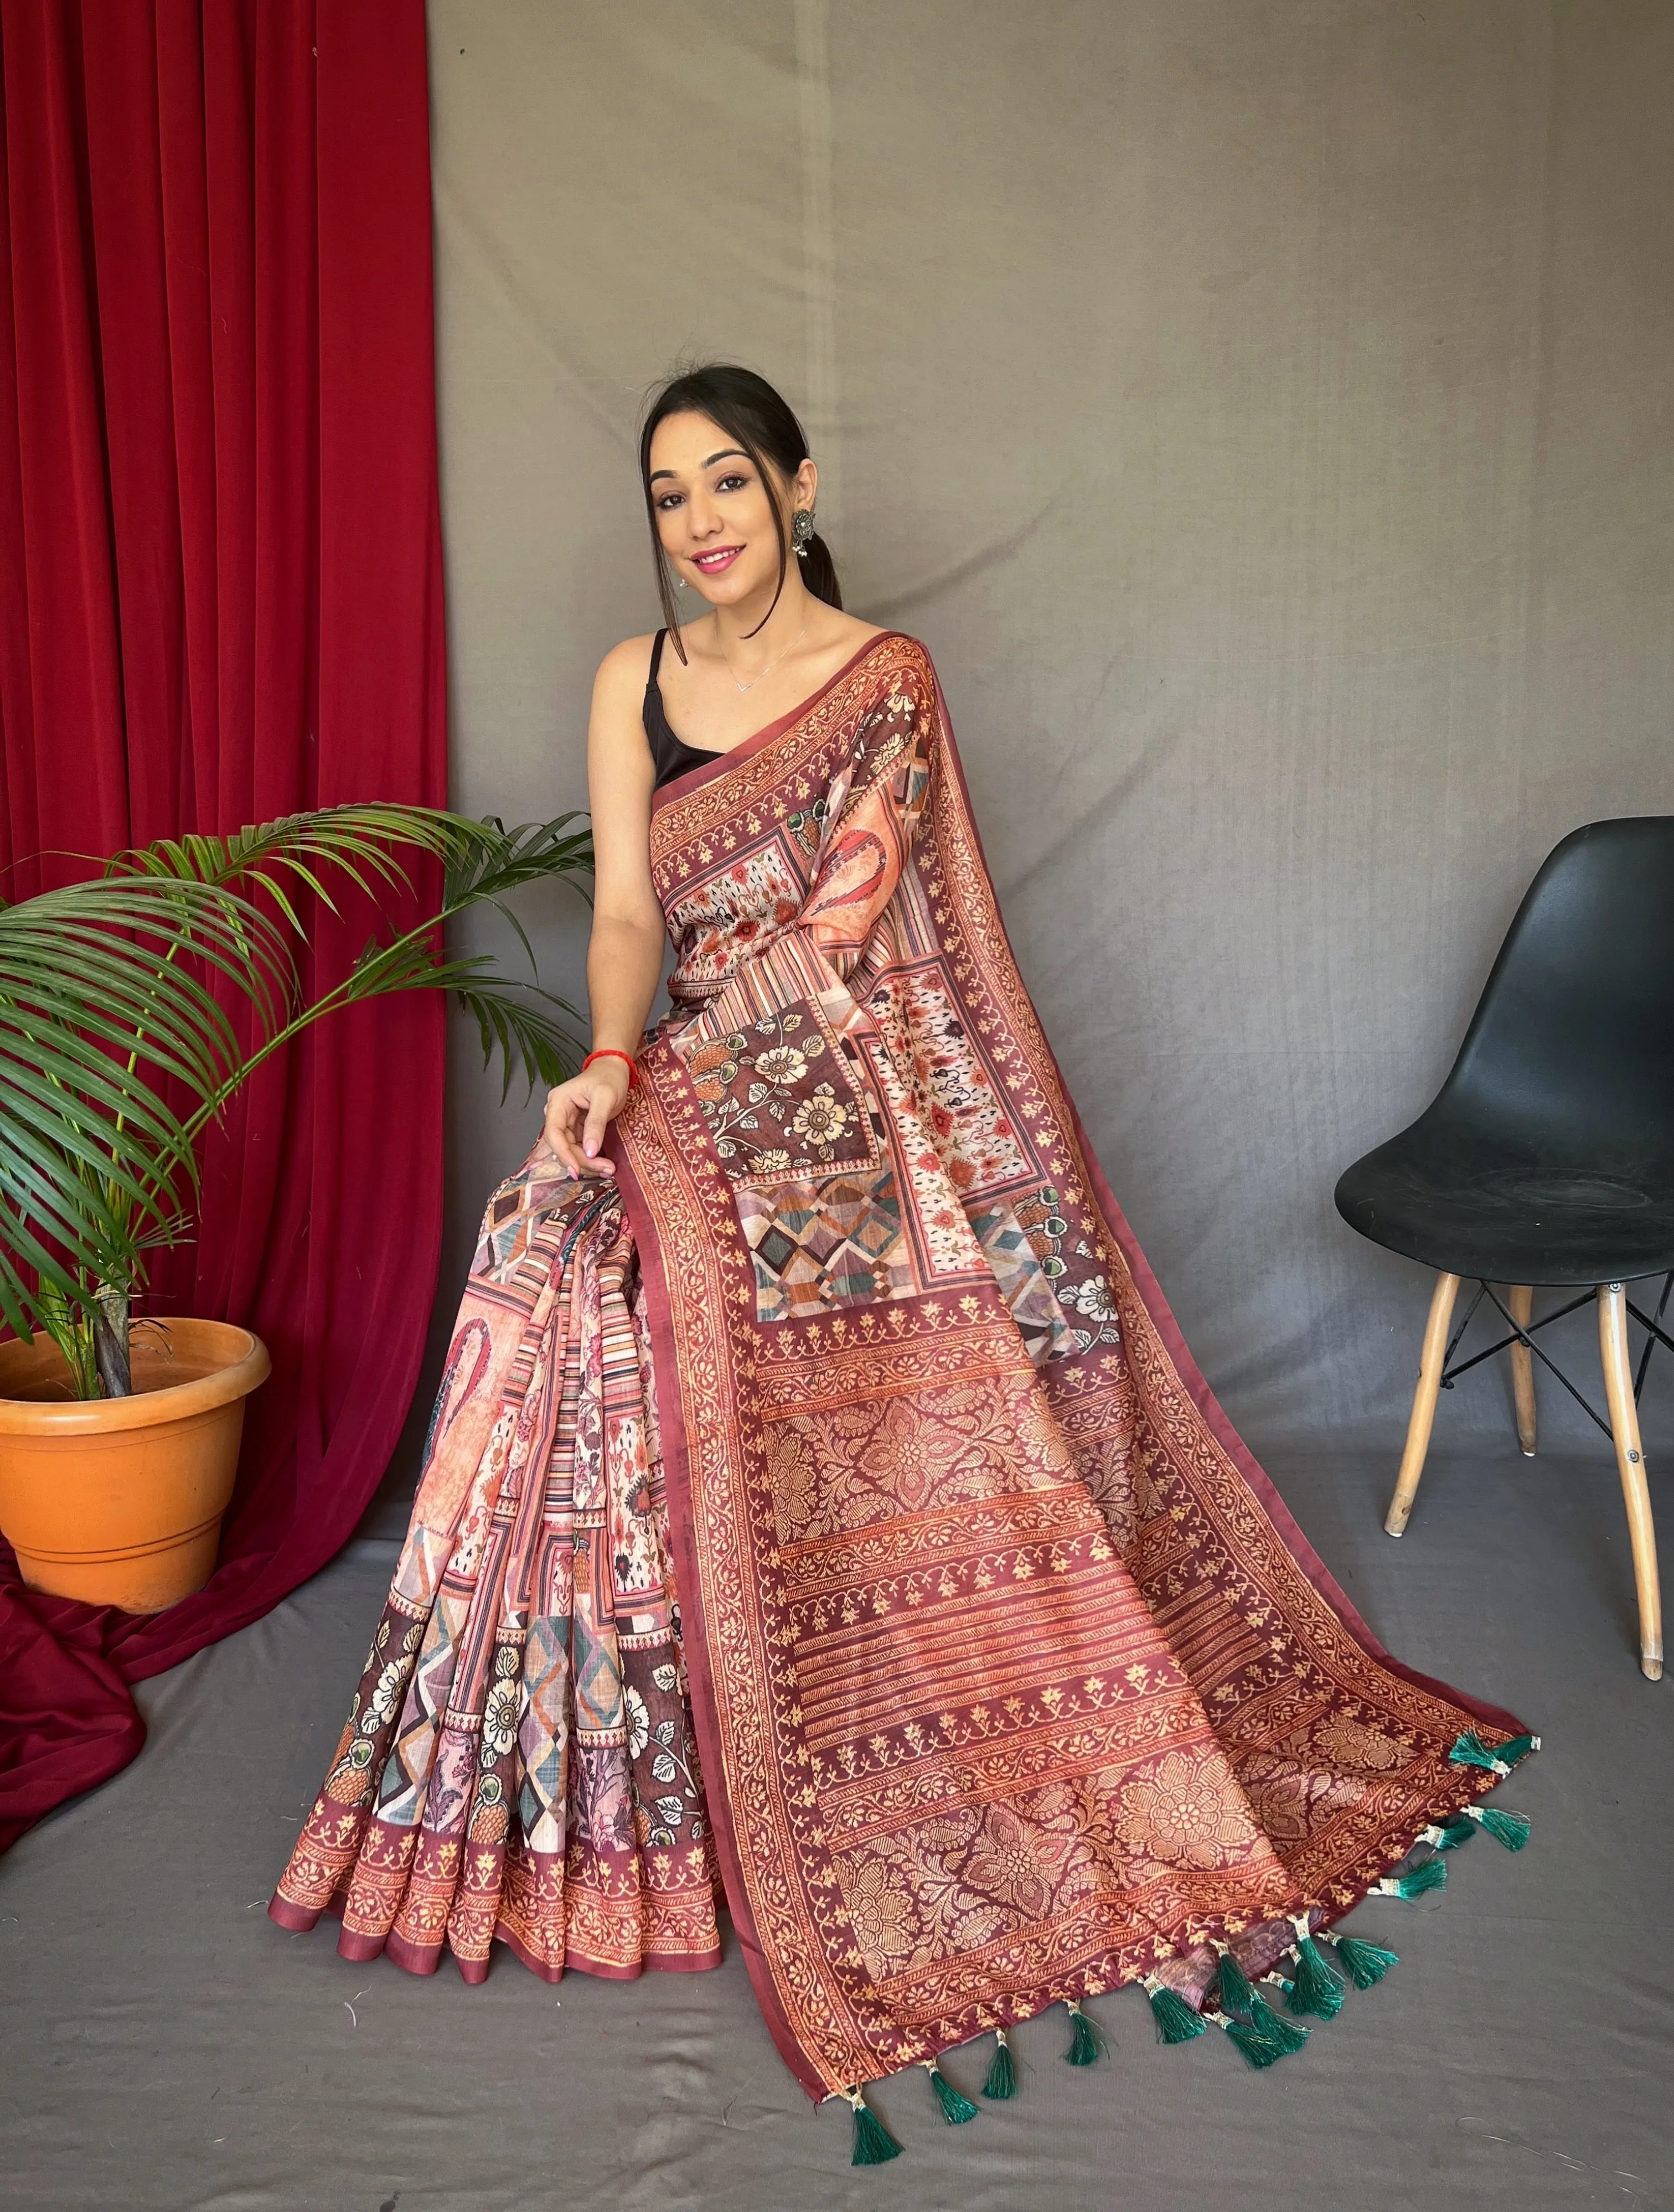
[220, 601]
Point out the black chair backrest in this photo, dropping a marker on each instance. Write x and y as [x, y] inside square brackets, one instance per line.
[1571, 1049]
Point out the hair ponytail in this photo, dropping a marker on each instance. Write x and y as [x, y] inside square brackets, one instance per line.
[819, 572]
[748, 409]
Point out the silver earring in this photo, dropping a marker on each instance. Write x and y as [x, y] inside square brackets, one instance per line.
[681, 581]
[801, 531]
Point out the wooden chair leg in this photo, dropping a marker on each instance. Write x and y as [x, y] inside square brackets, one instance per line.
[1630, 1463]
[1521, 1304]
[1423, 1404]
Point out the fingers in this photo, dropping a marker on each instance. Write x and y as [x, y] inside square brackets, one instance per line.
[576, 1115]
[559, 1133]
[599, 1110]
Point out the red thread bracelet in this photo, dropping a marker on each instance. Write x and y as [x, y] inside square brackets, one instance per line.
[610, 1052]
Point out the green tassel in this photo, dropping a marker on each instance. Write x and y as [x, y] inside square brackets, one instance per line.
[1283, 2035]
[1087, 2043]
[1319, 1989]
[955, 2109]
[873, 2143]
[1236, 1993]
[1511, 1829]
[1431, 1874]
[1471, 1751]
[1366, 1963]
[1003, 2074]
[1256, 2047]
[1448, 1838]
[1176, 2020]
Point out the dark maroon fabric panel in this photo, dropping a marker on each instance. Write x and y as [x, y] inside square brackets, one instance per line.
[220, 601]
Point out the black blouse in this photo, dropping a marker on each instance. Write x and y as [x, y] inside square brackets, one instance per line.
[670, 756]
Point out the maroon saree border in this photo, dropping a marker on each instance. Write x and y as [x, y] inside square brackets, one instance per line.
[677, 1478]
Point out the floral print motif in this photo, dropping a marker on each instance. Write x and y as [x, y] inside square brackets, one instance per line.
[854, 1465]
[883, 1915]
[1342, 1741]
[1004, 1862]
[781, 1064]
[385, 1695]
[499, 1722]
[731, 915]
[1186, 1813]
[949, 1083]
[781, 1097]
[639, 1721]
[819, 1122]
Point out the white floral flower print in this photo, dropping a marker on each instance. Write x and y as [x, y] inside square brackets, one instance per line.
[387, 1693]
[1092, 1297]
[782, 1063]
[500, 1719]
[821, 1120]
[639, 1721]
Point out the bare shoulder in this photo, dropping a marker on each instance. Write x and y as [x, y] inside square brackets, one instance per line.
[848, 630]
[625, 668]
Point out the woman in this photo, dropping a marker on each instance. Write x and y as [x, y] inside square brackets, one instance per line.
[820, 1506]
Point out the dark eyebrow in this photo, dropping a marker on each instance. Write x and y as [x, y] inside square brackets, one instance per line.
[725, 453]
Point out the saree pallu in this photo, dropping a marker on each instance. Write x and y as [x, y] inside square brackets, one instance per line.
[826, 1513]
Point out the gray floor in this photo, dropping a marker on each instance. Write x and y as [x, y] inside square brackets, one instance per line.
[167, 2047]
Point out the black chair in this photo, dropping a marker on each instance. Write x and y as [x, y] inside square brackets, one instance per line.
[1547, 1158]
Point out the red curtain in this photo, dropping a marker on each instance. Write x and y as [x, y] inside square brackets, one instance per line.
[220, 601]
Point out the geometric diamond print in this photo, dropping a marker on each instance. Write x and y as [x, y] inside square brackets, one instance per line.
[829, 1241]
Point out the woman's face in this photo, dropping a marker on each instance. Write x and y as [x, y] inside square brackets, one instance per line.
[715, 513]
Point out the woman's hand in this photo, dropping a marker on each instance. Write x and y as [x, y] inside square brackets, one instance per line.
[578, 1111]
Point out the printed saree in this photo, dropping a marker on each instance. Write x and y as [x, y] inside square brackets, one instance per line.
[826, 1513]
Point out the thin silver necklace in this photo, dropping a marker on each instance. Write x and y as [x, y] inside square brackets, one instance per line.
[772, 663]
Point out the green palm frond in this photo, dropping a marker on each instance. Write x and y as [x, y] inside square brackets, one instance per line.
[173, 972]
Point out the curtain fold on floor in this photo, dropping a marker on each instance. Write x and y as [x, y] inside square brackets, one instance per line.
[220, 601]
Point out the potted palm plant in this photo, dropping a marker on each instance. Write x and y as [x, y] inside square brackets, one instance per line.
[132, 1007]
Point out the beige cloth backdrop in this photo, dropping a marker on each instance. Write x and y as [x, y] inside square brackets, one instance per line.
[1261, 410]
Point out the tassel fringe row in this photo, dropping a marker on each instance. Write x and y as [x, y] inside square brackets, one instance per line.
[1260, 2034]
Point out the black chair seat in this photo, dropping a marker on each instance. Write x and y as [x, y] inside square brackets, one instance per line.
[1548, 1155]
[1516, 1221]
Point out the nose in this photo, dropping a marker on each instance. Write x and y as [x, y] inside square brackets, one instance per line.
[704, 518]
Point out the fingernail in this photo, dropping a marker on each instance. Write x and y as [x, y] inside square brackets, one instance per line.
[589, 1150]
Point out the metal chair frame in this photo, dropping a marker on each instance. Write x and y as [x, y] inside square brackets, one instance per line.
[1525, 1337]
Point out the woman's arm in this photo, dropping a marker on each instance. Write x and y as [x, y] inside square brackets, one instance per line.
[625, 954]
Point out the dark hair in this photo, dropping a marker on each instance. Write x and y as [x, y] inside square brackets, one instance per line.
[747, 408]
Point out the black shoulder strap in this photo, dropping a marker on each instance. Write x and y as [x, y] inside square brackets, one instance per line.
[656, 657]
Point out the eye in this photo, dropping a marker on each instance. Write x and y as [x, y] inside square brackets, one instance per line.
[732, 481]
[667, 501]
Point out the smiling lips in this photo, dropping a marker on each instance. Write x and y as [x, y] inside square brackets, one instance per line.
[712, 563]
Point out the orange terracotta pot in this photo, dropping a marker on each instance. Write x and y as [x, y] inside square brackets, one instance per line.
[118, 1500]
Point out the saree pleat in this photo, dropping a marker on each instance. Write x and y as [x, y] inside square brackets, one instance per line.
[519, 1760]
[1012, 1678]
